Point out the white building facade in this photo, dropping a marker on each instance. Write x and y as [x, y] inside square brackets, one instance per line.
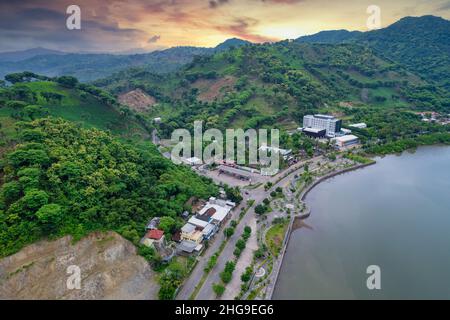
[331, 124]
[346, 141]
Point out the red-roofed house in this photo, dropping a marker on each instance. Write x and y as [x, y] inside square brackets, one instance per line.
[155, 234]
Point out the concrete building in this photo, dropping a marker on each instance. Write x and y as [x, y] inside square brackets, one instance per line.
[153, 237]
[204, 225]
[314, 133]
[235, 172]
[217, 210]
[346, 141]
[189, 247]
[199, 223]
[191, 233]
[153, 223]
[209, 231]
[346, 131]
[284, 152]
[331, 124]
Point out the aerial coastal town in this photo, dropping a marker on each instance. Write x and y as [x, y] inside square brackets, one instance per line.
[247, 236]
[224, 154]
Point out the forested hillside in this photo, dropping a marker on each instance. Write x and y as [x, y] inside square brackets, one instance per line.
[421, 44]
[68, 177]
[276, 84]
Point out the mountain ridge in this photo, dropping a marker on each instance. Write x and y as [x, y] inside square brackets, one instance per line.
[91, 66]
[422, 44]
[19, 55]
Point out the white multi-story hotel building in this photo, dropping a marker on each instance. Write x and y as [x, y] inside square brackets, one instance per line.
[331, 124]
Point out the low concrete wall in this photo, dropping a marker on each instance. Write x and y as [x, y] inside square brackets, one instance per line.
[305, 215]
[279, 262]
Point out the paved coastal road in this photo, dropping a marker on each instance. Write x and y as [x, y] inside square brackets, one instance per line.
[206, 292]
[258, 194]
[196, 274]
[249, 219]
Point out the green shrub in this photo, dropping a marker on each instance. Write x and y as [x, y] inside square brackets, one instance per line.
[218, 289]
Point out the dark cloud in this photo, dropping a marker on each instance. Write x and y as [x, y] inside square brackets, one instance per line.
[241, 27]
[216, 3]
[43, 27]
[283, 1]
[154, 39]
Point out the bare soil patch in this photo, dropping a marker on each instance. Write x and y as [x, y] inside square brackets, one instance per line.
[137, 100]
[214, 89]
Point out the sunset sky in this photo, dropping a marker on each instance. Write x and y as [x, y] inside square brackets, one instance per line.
[139, 25]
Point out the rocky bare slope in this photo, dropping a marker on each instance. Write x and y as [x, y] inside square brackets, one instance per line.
[137, 100]
[108, 264]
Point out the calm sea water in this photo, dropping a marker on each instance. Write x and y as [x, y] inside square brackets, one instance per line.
[395, 214]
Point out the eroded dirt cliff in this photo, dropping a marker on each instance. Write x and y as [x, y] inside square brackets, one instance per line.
[108, 264]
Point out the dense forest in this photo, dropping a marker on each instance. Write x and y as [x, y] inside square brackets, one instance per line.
[68, 177]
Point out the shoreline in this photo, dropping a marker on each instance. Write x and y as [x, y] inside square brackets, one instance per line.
[333, 174]
[295, 220]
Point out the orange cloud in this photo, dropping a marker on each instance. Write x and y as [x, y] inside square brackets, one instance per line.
[118, 25]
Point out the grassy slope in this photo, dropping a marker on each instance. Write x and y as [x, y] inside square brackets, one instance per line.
[76, 106]
[85, 109]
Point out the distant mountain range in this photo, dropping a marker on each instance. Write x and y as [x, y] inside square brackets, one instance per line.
[87, 67]
[14, 56]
